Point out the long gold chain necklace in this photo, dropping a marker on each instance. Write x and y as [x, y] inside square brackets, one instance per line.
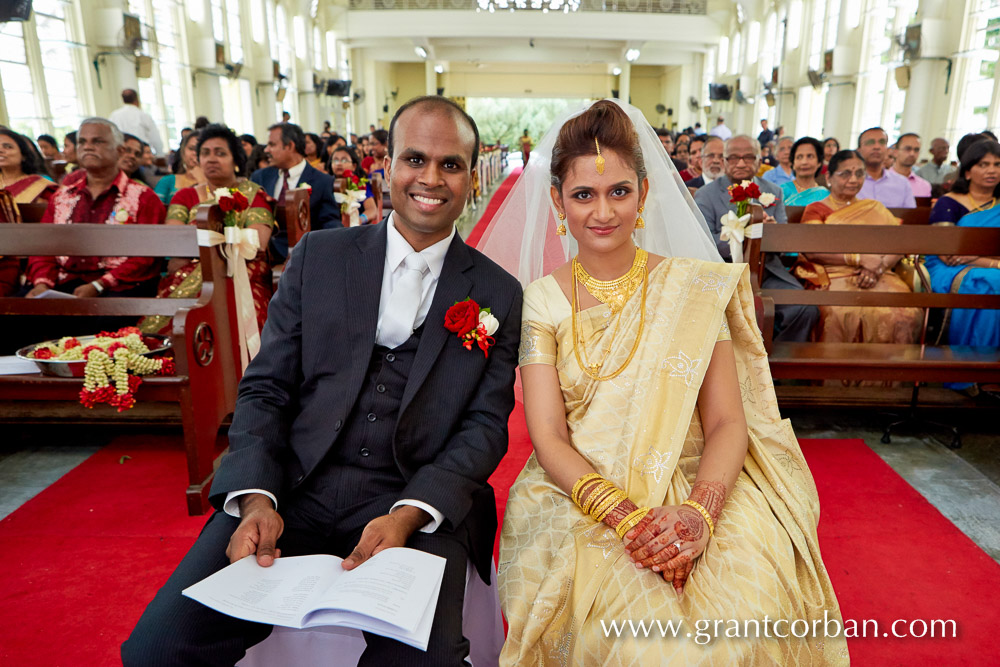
[613, 292]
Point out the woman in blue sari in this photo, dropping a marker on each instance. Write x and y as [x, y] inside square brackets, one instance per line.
[972, 202]
[803, 189]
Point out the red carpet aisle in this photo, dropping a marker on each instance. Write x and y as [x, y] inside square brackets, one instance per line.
[492, 207]
[82, 559]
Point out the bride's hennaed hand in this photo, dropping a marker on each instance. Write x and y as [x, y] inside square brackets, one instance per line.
[668, 541]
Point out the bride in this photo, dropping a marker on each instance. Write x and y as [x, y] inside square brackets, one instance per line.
[664, 485]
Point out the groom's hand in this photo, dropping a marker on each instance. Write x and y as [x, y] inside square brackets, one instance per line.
[390, 530]
[259, 530]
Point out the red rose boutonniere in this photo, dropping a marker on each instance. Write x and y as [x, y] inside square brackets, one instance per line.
[472, 324]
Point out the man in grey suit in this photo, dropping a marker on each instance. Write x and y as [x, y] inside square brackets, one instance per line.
[364, 423]
[742, 159]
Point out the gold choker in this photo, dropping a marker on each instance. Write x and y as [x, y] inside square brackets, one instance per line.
[614, 293]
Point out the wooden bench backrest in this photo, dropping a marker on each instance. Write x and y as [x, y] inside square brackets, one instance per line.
[902, 239]
[213, 343]
[294, 216]
[910, 216]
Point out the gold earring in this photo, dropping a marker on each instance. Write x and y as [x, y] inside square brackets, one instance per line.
[561, 229]
[639, 222]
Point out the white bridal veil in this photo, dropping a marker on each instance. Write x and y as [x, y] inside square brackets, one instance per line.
[522, 235]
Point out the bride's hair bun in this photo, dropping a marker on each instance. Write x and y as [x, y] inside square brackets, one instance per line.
[611, 126]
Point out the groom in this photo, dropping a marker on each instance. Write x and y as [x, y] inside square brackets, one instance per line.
[364, 423]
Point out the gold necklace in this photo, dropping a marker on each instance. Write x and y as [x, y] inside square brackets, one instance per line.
[838, 202]
[614, 293]
[976, 205]
[592, 370]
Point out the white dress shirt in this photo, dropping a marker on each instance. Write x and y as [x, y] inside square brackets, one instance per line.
[130, 119]
[294, 174]
[396, 249]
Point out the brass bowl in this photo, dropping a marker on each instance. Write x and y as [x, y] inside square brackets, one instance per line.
[156, 343]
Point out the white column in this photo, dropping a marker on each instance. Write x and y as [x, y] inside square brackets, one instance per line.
[625, 81]
[430, 77]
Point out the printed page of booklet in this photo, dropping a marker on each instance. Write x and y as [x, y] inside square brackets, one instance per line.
[394, 593]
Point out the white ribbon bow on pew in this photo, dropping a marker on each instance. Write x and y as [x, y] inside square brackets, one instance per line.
[734, 231]
[240, 245]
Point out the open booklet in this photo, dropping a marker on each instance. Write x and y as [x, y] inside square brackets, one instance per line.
[394, 593]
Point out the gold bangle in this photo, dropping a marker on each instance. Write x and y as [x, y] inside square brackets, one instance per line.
[630, 521]
[704, 514]
[597, 492]
[616, 498]
[587, 491]
[606, 503]
[580, 483]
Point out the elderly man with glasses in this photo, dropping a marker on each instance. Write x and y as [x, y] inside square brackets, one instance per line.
[742, 159]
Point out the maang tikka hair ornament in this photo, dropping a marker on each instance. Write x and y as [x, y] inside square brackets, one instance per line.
[599, 162]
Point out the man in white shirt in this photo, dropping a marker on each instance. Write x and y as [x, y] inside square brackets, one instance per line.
[365, 423]
[720, 130]
[130, 119]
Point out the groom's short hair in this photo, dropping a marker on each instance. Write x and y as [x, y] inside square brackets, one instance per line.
[441, 102]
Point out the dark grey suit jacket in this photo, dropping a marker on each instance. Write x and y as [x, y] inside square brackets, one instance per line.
[296, 394]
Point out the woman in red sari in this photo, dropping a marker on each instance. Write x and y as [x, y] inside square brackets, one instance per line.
[21, 182]
[223, 161]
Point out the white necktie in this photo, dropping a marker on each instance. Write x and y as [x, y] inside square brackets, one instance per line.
[404, 302]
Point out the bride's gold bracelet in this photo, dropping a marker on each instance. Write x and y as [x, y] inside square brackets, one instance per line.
[631, 521]
[580, 483]
[704, 513]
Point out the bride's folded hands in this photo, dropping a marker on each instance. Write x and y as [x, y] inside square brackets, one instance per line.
[668, 540]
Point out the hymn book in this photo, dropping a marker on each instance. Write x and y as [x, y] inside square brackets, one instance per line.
[393, 594]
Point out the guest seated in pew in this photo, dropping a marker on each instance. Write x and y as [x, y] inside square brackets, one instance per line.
[830, 148]
[712, 161]
[805, 159]
[99, 193]
[344, 159]
[783, 172]
[286, 148]
[742, 155]
[21, 176]
[223, 161]
[131, 158]
[972, 202]
[848, 272]
[314, 152]
[188, 172]
[258, 159]
[881, 183]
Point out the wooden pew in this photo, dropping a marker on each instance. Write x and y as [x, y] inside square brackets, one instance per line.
[32, 212]
[909, 216]
[294, 216]
[919, 362]
[206, 350]
[376, 184]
